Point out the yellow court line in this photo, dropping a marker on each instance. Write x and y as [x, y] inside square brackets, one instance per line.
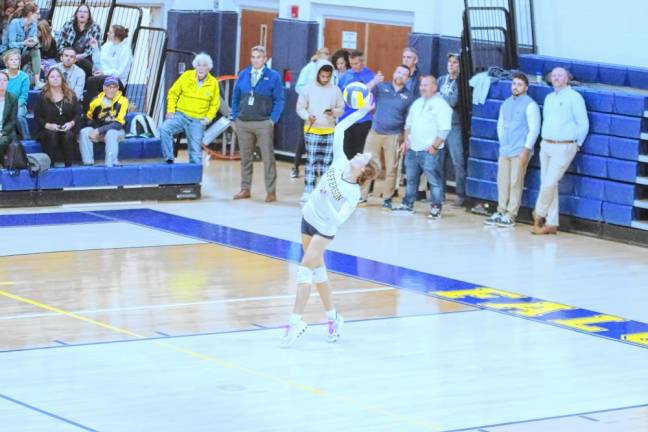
[229, 365]
[6, 283]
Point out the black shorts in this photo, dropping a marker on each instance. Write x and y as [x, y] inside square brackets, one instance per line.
[310, 230]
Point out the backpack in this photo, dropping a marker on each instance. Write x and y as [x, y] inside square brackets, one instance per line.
[15, 158]
[38, 163]
[142, 125]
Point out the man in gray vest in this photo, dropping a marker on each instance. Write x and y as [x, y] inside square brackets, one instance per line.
[518, 127]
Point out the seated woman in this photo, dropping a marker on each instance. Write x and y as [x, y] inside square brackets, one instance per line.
[22, 34]
[78, 33]
[48, 49]
[57, 115]
[8, 111]
[114, 58]
[19, 87]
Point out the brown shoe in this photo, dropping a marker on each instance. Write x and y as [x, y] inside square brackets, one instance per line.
[544, 230]
[242, 194]
[538, 222]
[271, 197]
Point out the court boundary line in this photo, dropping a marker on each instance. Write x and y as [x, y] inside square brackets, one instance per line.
[548, 418]
[257, 327]
[229, 365]
[47, 413]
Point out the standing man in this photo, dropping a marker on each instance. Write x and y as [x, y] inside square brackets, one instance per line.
[192, 103]
[449, 89]
[518, 127]
[257, 104]
[410, 59]
[392, 101]
[356, 135]
[563, 133]
[427, 126]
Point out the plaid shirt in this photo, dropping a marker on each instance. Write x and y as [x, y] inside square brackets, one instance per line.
[68, 33]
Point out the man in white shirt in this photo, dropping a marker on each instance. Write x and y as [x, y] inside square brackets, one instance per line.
[73, 74]
[518, 127]
[564, 130]
[426, 128]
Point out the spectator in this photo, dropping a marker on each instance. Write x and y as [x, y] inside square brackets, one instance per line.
[73, 74]
[113, 59]
[392, 101]
[57, 115]
[450, 91]
[410, 59]
[428, 124]
[48, 50]
[257, 104]
[107, 117]
[8, 110]
[340, 62]
[518, 127]
[78, 33]
[355, 136]
[192, 103]
[564, 130]
[306, 76]
[19, 87]
[319, 104]
[22, 34]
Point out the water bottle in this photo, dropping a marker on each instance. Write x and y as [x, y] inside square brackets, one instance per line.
[539, 77]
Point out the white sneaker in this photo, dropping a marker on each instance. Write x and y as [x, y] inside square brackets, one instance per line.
[493, 219]
[293, 332]
[334, 328]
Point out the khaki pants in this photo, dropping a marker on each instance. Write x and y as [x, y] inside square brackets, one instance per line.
[554, 161]
[510, 183]
[260, 134]
[389, 144]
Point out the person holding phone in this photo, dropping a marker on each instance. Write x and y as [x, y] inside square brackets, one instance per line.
[319, 104]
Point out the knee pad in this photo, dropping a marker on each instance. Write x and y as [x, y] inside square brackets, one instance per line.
[304, 275]
[319, 275]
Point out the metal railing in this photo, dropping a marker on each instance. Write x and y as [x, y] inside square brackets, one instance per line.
[146, 71]
[174, 62]
[61, 11]
[127, 16]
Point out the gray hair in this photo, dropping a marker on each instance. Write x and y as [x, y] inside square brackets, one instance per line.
[203, 58]
[259, 48]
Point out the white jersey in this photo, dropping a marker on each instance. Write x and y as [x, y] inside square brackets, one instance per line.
[334, 199]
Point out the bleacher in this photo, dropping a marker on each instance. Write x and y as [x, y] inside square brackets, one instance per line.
[143, 175]
[607, 182]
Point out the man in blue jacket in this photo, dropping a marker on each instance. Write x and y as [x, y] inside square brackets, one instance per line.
[257, 104]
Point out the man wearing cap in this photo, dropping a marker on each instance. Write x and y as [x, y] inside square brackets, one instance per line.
[107, 117]
[564, 130]
[192, 103]
[449, 89]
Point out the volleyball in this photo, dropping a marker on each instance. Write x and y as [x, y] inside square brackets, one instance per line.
[356, 95]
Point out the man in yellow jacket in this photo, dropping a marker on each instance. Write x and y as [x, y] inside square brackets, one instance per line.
[192, 103]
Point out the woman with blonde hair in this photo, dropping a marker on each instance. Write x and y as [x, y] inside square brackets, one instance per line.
[57, 115]
[329, 206]
[19, 87]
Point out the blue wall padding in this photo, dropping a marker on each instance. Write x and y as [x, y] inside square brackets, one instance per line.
[617, 214]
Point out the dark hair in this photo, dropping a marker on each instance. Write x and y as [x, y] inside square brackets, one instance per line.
[68, 49]
[356, 54]
[370, 172]
[27, 9]
[5, 73]
[68, 94]
[341, 53]
[74, 17]
[404, 67]
[119, 31]
[521, 77]
[412, 50]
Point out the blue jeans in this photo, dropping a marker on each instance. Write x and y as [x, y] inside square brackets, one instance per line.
[23, 126]
[417, 162]
[193, 129]
[454, 144]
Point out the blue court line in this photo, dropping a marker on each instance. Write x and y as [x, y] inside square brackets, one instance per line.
[38, 219]
[547, 418]
[49, 414]
[189, 335]
[627, 331]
